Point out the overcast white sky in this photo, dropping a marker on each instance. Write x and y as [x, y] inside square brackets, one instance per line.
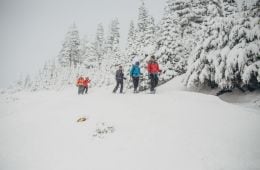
[31, 31]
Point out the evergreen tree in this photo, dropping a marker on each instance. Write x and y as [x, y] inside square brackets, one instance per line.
[229, 7]
[70, 52]
[255, 9]
[149, 36]
[113, 56]
[88, 53]
[229, 54]
[171, 51]
[142, 18]
[141, 31]
[99, 43]
[130, 46]
[112, 43]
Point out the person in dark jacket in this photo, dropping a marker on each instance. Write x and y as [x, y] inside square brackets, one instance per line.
[135, 74]
[153, 71]
[119, 79]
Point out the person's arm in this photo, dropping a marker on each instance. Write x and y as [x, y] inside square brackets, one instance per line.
[158, 69]
[149, 68]
[116, 75]
[139, 69]
[122, 76]
[131, 71]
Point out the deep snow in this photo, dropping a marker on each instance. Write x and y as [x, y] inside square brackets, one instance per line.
[173, 129]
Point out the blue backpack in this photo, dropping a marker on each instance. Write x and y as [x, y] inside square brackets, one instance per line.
[135, 71]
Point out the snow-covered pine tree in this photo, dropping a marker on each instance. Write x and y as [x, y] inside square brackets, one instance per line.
[142, 18]
[84, 47]
[88, 53]
[113, 56]
[171, 51]
[92, 54]
[70, 53]
[149, 36]
[229, 7]
[46, 77]
[249, 37]
[181, 28]
[130, 46]
[228, 55]
[142, 24]
[255, 10]
[23, 83]
[27, 82]
[99, 43]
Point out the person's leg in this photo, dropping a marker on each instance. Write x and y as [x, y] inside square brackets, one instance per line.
[152, 82]
[134, 81]
[117, 84]
[156, 80]
[137, 82]
[82, 89]
[79, 90]
[86, 90]
[121, 86]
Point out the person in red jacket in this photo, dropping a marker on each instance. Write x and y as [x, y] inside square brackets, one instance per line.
[80, 85]
[85, 84]
[153, 71]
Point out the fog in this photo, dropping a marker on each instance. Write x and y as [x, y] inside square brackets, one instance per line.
[32, 31]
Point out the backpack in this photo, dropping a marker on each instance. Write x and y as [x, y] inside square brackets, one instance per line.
[135, 71]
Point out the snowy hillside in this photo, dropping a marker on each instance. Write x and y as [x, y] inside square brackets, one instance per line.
[172, 129]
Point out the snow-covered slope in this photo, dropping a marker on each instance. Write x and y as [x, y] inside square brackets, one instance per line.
[172, 129]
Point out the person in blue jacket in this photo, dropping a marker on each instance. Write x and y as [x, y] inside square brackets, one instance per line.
[135, 74]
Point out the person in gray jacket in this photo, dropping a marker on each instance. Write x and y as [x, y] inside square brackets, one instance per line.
[119, 80]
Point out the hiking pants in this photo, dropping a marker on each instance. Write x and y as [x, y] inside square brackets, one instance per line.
[80, 90]
[135, 82]
[154, 81]
[119, 82]
[85, 90]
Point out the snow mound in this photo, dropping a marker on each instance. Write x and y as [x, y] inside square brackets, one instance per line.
[173, 129]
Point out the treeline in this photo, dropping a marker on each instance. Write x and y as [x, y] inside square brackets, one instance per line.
[213, 42]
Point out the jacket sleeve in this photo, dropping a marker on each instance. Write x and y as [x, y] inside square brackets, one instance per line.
[116, 75]
[139, 71]
[149, 68]
[131, 71]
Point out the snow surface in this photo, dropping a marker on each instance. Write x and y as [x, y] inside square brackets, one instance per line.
[173, 129]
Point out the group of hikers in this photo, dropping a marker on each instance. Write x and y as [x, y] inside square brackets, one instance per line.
[135, 73]
[82, 84]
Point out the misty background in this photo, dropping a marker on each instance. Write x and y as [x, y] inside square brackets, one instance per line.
[32, 31]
